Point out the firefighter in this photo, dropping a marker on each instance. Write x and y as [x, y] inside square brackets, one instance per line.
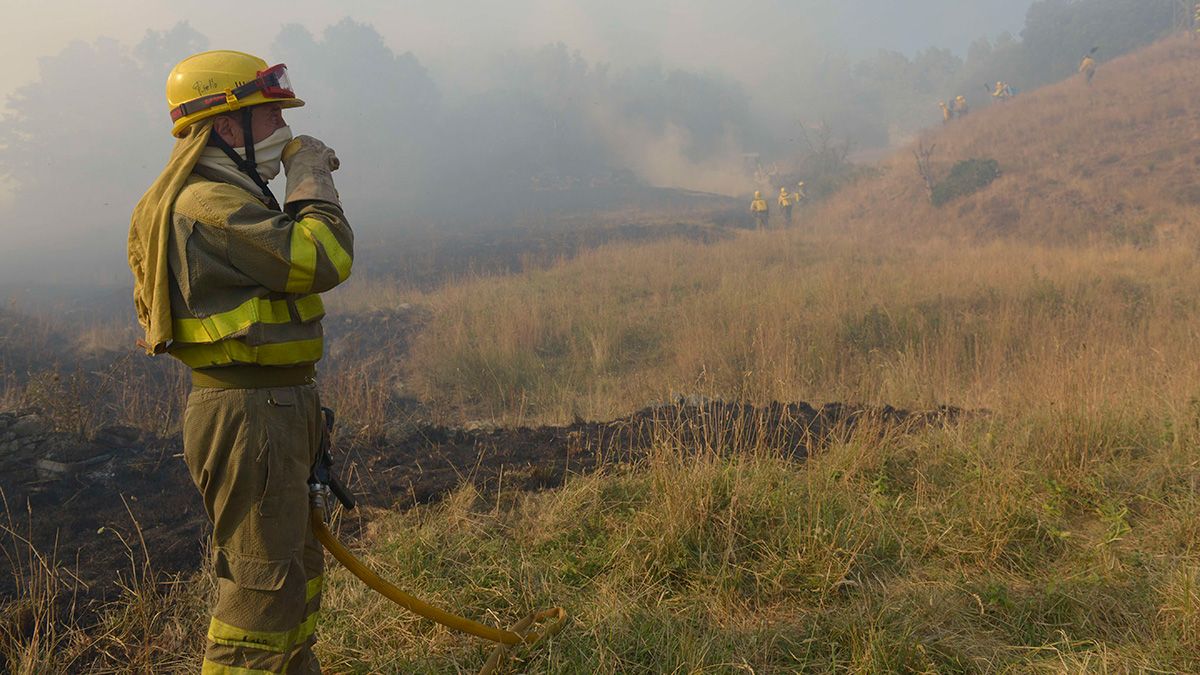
[786, 203]
[760, 210]
[1087, 67]
[960, 107]
[228, 281]
[947, 115]
[1002, 92]
[799, 196]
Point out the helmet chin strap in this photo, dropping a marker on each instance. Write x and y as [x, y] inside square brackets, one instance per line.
[246, 164]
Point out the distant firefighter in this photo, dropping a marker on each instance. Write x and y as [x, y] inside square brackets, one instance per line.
[960, 107]
[786, 203]
[799, 195]
[760, 210]
[947, 115]
[1087, 67]
[1002, 92]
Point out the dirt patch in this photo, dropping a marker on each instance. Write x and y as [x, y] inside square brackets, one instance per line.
[119, 478]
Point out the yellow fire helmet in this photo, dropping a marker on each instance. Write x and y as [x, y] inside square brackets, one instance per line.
[758, 194]
[210, 83]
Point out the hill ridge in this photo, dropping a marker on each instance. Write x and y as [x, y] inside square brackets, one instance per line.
[1116, 160]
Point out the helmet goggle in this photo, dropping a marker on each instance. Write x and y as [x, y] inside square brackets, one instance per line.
[272, 83]
[275, 83]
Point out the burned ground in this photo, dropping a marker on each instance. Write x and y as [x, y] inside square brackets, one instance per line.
[104, 500]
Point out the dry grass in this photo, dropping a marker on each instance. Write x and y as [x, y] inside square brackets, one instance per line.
[988, 547]
[1059, 534]
[153, 624]
[878, 296]
[125, 390]
[820, 316]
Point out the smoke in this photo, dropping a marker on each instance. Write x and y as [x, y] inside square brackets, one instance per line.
[660, 157]
[469, 115]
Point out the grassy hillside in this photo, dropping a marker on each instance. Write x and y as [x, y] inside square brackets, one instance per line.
[1025, 547]
[1116, 161]
[1046, 544]
[1057, 535]
[1057, 532]
[1088, 298]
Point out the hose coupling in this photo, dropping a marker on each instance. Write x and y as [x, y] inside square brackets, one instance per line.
[320, 499]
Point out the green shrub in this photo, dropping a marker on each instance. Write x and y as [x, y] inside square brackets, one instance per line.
[967, 177]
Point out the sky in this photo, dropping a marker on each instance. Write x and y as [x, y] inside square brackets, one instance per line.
[447, 35]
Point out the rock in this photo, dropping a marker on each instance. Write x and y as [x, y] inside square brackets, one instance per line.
[50, 469]
[30, 424]
[115, 435]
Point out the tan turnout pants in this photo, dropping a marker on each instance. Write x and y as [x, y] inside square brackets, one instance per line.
[249, 452]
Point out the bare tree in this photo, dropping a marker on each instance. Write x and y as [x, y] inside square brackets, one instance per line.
[825, 148]
[924, 157]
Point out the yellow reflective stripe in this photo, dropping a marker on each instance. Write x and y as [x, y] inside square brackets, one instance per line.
[303, 260]
[280, 642]
[337, 255]
[226, 352]
[313, 587]
[217, 326]
[310, 307]
[212, 668]
[307, 628]
[268, 641]
[255, 310]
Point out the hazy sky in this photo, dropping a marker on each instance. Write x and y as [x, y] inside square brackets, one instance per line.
[107, 156]
[448, 34]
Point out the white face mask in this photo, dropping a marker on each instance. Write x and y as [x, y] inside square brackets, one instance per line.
[268, 153]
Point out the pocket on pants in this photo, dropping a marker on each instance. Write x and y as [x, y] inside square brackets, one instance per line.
[251, 573]
[286, 462]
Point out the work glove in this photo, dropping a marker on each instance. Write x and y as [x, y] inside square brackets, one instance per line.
[309, 165]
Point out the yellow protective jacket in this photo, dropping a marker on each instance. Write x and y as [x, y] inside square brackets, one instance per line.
[758, 206]
[785, 200]
[246, 279]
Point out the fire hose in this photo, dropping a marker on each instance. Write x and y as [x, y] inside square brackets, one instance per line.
[323, 485]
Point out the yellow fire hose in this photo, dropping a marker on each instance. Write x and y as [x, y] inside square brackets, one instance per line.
[553, 618]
